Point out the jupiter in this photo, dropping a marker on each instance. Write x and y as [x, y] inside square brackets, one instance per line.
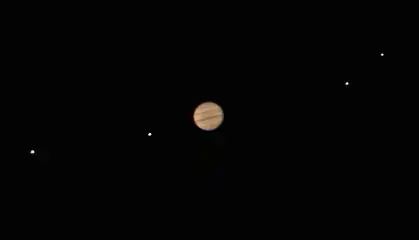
[208, 116]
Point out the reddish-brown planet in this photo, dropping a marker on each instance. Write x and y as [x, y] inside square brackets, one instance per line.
[208, 116]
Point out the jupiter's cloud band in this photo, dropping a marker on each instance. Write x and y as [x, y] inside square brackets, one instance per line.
[208, 116]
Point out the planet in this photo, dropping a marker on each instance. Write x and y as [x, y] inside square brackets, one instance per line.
[208, 116]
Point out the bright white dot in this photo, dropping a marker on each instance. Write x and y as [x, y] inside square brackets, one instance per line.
[382, 54]
[32, 151]
[346, 83]
[149, 134]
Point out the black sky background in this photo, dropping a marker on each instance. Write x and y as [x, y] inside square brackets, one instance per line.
[87, 94]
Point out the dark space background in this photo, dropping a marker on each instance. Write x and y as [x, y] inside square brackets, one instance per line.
[85, 93]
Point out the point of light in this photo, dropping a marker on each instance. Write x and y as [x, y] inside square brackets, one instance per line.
[382, 54]
[346, 83]
[149, 134]
[32, 152]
